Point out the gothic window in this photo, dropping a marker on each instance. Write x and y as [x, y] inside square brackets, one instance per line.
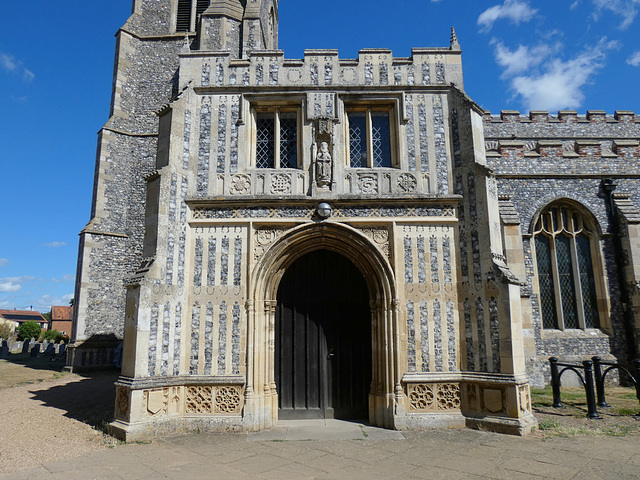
[565, 249]
[188, 12]
[369, 132]
[276, 144]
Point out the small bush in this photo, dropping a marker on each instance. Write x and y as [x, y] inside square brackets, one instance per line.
[29, 330]
[52, 335]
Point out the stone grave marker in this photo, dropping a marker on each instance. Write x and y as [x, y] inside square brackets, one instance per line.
[35, 350]
[4, 351]
[25, 346]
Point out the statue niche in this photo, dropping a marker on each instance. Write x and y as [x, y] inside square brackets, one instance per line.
[323, 160]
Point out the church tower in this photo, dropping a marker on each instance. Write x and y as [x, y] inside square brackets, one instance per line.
[148, 46]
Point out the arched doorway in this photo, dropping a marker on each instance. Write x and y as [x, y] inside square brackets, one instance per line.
[323, 339]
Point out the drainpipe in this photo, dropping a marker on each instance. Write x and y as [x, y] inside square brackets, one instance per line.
[609, 187]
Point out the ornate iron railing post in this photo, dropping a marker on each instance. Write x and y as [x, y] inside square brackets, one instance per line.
[555, 382]
[597, 371]
[589, 390]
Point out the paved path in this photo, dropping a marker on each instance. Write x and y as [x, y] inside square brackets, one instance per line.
[343, 450]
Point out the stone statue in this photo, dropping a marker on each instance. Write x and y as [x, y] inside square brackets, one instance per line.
[323, 166]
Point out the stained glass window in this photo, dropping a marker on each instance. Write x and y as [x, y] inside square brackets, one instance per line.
[566, 278]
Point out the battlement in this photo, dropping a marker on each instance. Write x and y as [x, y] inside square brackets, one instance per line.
[322, 68]
[563, 116]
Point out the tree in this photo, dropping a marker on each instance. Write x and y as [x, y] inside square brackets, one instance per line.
[47, 316]
[52, 335]
[29, 330]
[5, 330]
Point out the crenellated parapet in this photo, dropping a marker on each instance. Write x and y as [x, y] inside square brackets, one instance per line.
[322, 68]
[563, 116]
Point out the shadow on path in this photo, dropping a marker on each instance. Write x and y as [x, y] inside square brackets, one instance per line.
[89, 400]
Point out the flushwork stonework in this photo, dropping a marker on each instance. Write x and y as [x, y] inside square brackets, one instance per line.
[481, 244]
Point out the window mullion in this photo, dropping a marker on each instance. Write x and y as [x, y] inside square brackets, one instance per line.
[369, 139]
[576, 275]
[556, 282]
[276, 134]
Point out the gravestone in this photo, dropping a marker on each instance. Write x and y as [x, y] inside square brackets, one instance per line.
[4, 351]
[35, 350]
[62, 348]
[50, 349]
[5, 343]
[16, 347]
[25, 346]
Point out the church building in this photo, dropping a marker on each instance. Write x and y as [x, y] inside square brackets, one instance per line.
[279, 238]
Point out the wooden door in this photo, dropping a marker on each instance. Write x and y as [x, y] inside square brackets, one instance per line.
[323, 339]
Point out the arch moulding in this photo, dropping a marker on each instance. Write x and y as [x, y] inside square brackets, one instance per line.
[261, 407]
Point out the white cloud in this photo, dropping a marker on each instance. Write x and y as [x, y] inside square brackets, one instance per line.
[14, 284]
[10, 287]
[523, 58]
[55, 244]
[10, 64]
[3, 261]
[634, 59]
[517, 11]
[45, 302]
[627, 9]
[559, 84]
[64, 279]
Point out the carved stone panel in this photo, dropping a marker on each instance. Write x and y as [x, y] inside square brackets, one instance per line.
[379, 236]
[264, 238]
[156, 401]
[199, 400]
[368, 183]
[434, 397]
[281, 183]
[122, 404]
[240, 185]
[407, 183]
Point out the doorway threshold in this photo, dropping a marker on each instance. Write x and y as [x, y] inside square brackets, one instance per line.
[323, 430]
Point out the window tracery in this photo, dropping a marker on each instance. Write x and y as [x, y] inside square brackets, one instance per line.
[565, 250]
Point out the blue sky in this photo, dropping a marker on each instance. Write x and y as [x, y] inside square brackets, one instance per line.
[56, 62]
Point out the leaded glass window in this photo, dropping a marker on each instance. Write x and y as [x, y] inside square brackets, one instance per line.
[276, 139]
[369, 138]
[564, 243]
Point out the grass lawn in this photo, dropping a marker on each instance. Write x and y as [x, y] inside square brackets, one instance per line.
[620, 419]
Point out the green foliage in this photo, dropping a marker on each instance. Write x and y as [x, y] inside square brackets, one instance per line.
[52, 335]
[29, 330]
[47, 316]
[6, 330]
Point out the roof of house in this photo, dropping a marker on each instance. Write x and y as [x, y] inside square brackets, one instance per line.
[22, 316]
[61, 313]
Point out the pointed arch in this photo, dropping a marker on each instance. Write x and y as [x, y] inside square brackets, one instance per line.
[262, 405]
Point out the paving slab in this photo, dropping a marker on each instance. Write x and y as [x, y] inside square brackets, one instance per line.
[353, 450]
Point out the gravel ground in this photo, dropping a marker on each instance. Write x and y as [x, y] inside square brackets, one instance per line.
[54, 419]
